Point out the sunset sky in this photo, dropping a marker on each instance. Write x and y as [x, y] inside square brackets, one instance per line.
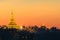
[31, 12]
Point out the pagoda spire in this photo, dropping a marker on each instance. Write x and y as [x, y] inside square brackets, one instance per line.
[12, 23]
[12, 17]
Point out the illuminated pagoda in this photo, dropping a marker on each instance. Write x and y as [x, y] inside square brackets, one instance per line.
[12, 23]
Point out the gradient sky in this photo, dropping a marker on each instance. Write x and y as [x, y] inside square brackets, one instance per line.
[31, 12]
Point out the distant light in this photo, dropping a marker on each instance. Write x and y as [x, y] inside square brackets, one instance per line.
[21, 27]
[4, 27]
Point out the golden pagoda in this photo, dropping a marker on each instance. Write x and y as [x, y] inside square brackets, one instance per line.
[12, 23]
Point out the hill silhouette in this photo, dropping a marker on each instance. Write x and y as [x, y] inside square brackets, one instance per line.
[35, 33]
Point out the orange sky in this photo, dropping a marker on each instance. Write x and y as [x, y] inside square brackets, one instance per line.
[31, 12]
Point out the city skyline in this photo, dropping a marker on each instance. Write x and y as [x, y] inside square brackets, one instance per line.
[30, 12]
